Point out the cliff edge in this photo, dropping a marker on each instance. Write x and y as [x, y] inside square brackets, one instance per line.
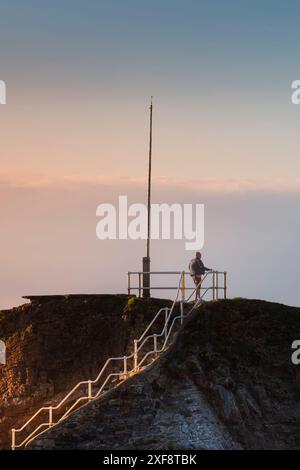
[53, 342]
[226, 383]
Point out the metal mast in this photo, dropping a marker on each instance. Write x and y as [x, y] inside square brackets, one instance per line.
[149, 181]
[146, 259]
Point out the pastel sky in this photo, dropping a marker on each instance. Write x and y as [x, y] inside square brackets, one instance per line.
[74, 133]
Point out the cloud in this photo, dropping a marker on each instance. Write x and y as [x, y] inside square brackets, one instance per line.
[207, 185]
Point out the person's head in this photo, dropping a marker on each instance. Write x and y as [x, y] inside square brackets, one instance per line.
[198, 254]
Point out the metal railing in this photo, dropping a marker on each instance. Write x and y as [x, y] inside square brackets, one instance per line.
[145, 349]
[219, 282]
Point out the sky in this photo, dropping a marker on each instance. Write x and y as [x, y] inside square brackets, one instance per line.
[74, 134]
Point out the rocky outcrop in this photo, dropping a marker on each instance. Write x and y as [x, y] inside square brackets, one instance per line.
[226, 383]
[56, 341]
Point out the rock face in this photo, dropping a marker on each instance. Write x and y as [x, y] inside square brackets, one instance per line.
[56, 341]
[227, 382]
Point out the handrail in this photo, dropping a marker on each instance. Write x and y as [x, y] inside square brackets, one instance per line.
[199, 285]
[124, 372]
[141, 288]
[162, 309]
[151, 323]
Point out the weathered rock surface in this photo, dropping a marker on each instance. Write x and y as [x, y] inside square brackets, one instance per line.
[56, 341]
[227, 382]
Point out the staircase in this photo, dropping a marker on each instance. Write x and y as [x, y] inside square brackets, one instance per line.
[116, 370]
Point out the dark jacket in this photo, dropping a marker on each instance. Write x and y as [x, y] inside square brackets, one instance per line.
[197, 268]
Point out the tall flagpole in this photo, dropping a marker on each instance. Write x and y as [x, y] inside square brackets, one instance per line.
[149, 181]
[146, 259]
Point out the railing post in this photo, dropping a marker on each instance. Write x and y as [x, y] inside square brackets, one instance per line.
[155, 343]
[166, 322]
[182, 296]
[125, 365]
[50, 416]
[217, 285]
[182, 287]
[140, 284]
[90, 389]
[13, 439]
[213, 289]
[128, 283]
[225, 285]
[135, 355]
